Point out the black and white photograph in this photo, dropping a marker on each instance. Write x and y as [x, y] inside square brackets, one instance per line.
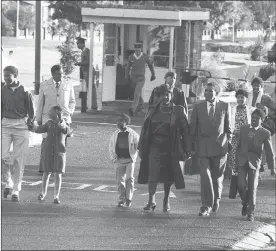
[138, 125]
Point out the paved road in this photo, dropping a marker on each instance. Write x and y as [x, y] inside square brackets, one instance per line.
[88, 218]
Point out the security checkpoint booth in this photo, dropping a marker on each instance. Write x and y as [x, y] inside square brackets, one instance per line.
[126, 25]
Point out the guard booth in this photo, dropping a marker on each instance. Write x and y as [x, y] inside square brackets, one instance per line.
[126, 25]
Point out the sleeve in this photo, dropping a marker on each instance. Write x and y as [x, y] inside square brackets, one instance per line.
[269, 153]
[150, 65]
[152, 97]
[72, 100]
[30, 107]
[194, 125]
[184, 128]
[41, 128]
[135, 140]
[65, 128]
[40, 104]
[129, 65]
[181, 100]
[227, 123]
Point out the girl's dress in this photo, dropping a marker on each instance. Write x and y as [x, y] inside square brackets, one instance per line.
[53, 157]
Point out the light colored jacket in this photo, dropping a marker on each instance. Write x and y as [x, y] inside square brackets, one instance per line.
[249, 110]
[49, 97]
[133, 139]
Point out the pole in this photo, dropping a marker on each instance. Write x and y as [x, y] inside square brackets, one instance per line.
[17, 19]
[171, 48]
[122, 40]
[38, 45]
[91, 70]
[233, 38]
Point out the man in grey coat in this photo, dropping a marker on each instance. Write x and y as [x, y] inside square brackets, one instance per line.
[211, 132]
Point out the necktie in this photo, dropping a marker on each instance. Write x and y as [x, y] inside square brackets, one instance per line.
[57, 85]
[211, 112]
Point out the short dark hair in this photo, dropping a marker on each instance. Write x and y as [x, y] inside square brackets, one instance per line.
[215, 86]
[260, 113]
[126, 118]
[55, 68]
[58, 110]
[257, 80]
[242, 92]
[12, 69]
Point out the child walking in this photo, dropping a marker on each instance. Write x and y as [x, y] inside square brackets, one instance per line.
[54, 154]
[123, 154]
[253, 139]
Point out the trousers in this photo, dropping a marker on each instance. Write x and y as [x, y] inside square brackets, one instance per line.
[211, 179]
[13, 166]
[248, 193]
[138, 101]
[125, 179]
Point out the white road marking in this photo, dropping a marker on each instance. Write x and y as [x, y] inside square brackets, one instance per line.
[103, 187]
[82, 186]
[36, 183]
[172, 195]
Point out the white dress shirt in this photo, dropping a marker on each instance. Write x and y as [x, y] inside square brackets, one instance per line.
[209, 106]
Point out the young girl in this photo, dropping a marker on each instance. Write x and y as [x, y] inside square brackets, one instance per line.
[54, 154]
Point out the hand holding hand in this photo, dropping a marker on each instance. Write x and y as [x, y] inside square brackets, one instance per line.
[152, 78]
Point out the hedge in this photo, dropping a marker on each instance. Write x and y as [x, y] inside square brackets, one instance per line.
[228, 48]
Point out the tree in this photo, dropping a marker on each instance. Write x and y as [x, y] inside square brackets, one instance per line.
[7, 26]
[26, 18]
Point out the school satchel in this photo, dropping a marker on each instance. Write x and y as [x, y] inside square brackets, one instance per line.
[233, 187]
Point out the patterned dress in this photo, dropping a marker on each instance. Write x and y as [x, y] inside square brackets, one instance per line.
[240, 119]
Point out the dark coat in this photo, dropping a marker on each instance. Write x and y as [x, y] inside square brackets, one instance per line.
[179, 123]
[54, 150]
[177, 98]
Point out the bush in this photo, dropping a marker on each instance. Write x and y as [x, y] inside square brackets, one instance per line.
[228, 48]
[258, 51]
[267, 71]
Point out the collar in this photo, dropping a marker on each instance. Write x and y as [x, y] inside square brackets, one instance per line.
[255, 128]
[138, 57]
[215, 102]
[54, 82]
[84, 49]
[127, 130]
[13, 85]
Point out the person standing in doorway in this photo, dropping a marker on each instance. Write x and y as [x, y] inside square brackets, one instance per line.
[84, 74]
[17, 115]
[136, 69]
[55, 91]
[211, 129]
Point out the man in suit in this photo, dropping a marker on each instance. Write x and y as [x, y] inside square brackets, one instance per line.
[211, 130]
[55, 91]
[84, 73]
[136, 68]
[252, 140]
[178, 95]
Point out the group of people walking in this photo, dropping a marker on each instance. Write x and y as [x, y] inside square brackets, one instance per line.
[237, 137]
[223, 137]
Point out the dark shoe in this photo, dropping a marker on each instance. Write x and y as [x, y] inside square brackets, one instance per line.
[150, 206]
[128, 203]
[244, 210]
[7, 191]
[15, 198]
[121, 204]
[215, 207]
[131, 112]
[56, 201]
[204, 212]
[41, 197]
[166, 206]
[250, 217]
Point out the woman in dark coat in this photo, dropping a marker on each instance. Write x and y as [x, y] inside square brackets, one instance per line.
[162, 146]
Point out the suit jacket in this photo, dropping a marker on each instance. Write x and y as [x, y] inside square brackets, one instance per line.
[49, 97]
[178, 98]
[211, 137]
[250, 148]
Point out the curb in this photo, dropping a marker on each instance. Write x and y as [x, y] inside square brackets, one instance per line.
[257, 240]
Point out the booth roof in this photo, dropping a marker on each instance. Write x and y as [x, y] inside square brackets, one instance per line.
[87, 4]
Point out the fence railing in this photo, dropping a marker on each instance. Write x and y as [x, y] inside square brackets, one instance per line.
[221, 34]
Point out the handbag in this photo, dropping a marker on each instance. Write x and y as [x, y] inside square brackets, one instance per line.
[233, 187]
